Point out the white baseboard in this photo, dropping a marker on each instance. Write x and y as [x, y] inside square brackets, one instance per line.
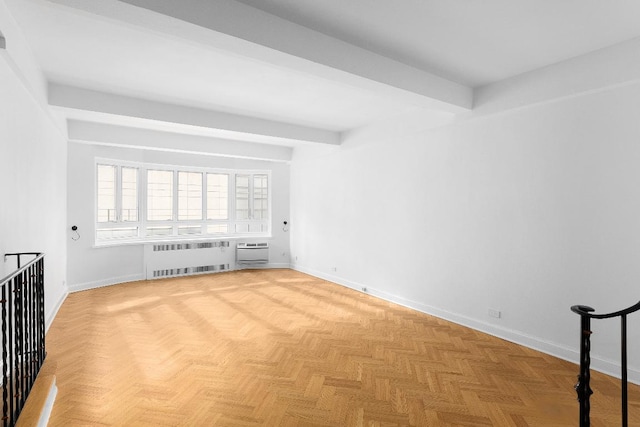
[135, 277]
[48, 319]
[599, 364]
[105, 282]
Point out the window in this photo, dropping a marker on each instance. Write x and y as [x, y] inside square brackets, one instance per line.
[129, 194]
[252, 203]
[242, 197]
[178, 203]
[189, 196]
[159, 195]
[106, 193]
[260, 197]
[116, 202]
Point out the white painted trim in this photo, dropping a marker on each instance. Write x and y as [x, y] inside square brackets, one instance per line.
[43, 421]
[136, 277]
[105, 282]
[49, 317]
[599, 364]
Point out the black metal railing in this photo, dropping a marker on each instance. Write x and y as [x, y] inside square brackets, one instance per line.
[23, 330]
[583, 387]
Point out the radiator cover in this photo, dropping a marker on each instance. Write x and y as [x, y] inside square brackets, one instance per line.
[252, 253]
[181, 259]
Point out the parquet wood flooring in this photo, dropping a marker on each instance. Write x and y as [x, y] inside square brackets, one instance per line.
[280, 348]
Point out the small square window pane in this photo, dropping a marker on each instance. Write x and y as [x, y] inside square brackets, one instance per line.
[217, 228]
[160, 231]
[189, 229]
[116, 233]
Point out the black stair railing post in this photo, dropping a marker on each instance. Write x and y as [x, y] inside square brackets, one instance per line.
[583, 387]
[623, 356]
[22, 344]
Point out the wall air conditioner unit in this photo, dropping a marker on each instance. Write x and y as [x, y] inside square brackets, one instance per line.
[252, 253]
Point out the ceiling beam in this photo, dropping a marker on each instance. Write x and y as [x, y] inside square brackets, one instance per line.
[216, 123]
[145, 139]
[245, 31]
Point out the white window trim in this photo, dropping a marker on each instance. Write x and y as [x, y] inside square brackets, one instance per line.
[143, 223]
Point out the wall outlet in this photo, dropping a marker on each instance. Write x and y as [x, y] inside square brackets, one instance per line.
[495, 313]
[364, 289]
[335, 269]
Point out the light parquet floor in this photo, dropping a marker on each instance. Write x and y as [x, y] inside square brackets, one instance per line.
[280, 348]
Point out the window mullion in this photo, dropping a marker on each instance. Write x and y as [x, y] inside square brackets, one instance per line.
[142, 200]
[251, 188]
[175, 203]
[118, 195]
[203, 206]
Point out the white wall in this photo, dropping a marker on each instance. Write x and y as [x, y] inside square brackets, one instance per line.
[90, 267]
[527, 211]
[32, 167]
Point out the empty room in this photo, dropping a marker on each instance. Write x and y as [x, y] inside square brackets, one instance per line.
[320, 213]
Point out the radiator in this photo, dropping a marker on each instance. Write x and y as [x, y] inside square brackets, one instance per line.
[252, 253]
[181, 259]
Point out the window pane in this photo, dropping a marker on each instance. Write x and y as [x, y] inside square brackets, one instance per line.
[242, 197]
[189, 229]
[217, 228]
[217, 196]
[160, 231]
[159, 195]
[129, 194]
[242, 228]
[260, 197]
[189, 195]
[106, 189]
[117, 233]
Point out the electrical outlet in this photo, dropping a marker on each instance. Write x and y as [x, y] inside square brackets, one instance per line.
[335, 269]
[495, 313]
[364, 289]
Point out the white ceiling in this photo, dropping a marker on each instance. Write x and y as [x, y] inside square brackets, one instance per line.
[122, 48]
[473, 42]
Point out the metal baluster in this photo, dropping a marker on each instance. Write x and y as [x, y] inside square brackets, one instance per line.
[12, 385]
[5, 394]
[41, 310]
[583, 386]
[23, 337]
[623, 352]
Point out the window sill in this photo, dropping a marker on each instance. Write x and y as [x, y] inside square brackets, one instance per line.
[139, 242]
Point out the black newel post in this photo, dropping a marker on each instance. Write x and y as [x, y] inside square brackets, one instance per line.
[582, 387]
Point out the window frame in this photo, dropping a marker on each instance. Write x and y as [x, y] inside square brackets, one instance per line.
[263, 226]
[118, 223]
